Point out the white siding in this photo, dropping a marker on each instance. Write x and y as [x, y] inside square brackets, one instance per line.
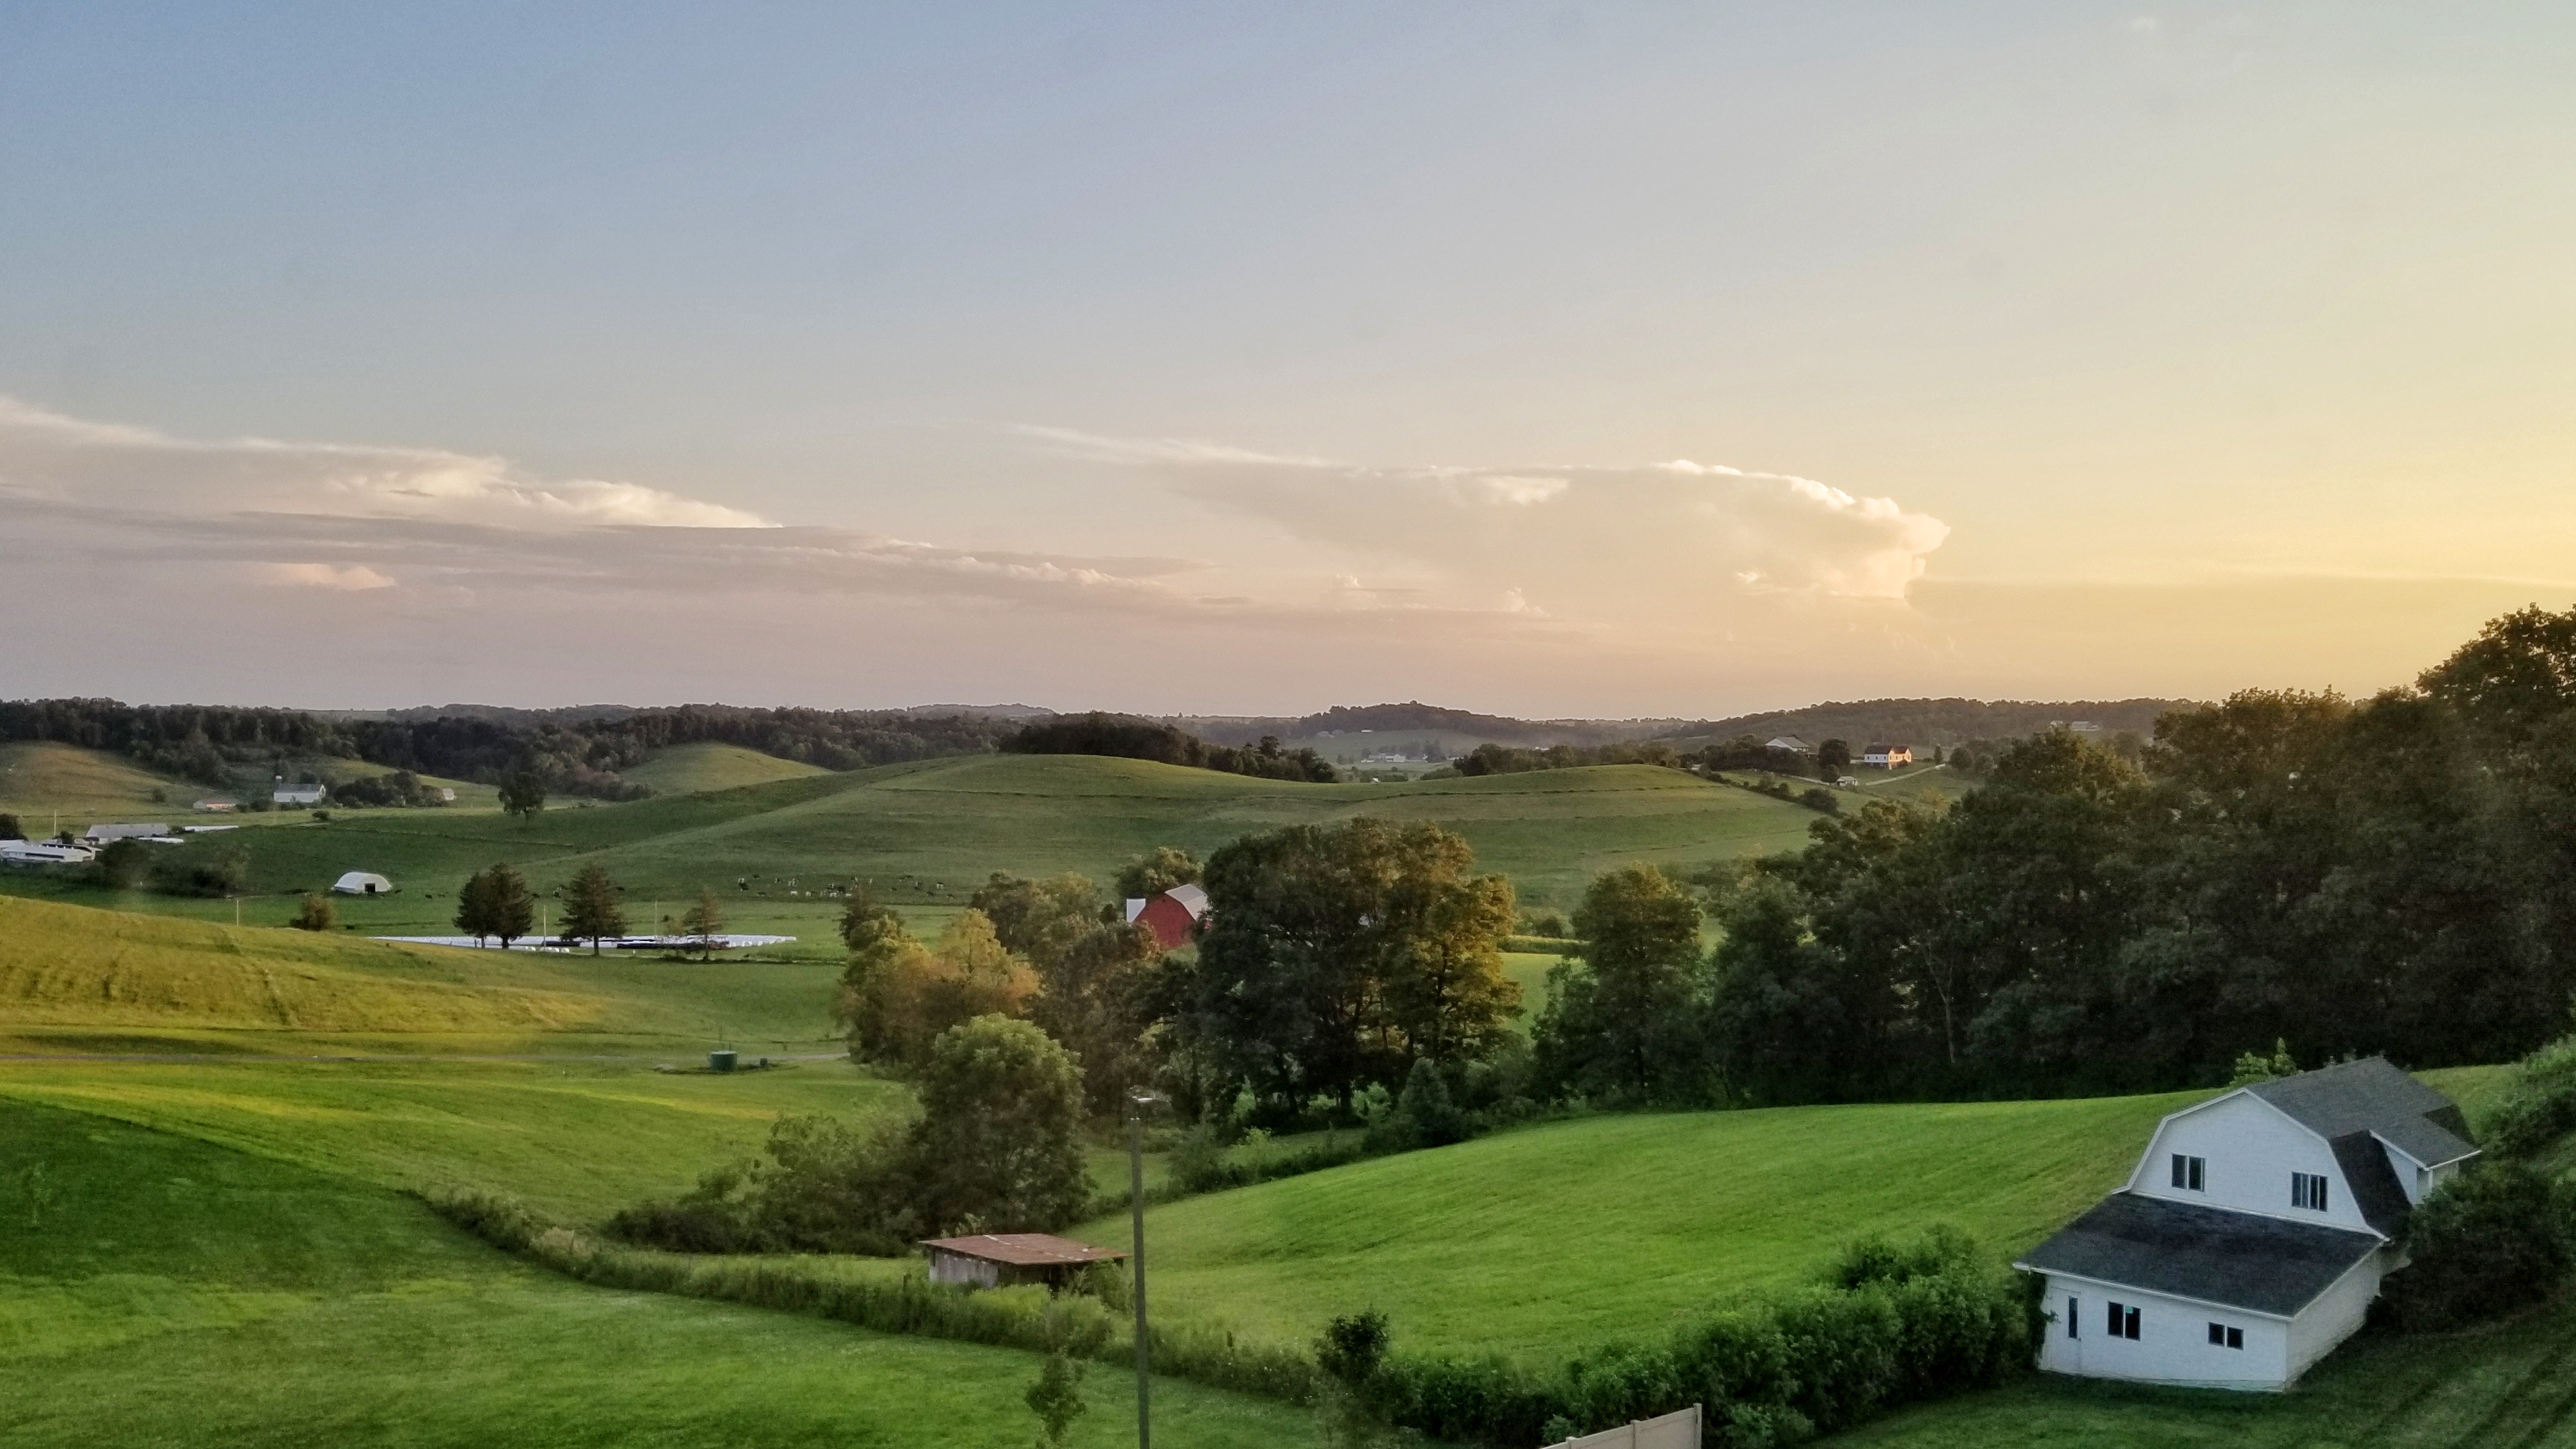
[2251, 1150]
[2336, 1312]
[2172, 1346]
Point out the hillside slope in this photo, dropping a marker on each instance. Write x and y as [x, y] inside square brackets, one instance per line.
[87, 786]
[688, 769]
[177, 1293]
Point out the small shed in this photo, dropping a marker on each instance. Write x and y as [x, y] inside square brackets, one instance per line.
[1173, 916]
[362, 883]
[218, 805]
[998, 1260]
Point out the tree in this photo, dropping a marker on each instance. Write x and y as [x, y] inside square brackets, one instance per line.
[999, 1141]
[1038, 919]
[495, 902]
[1833, 759]
[703, 923]
[591, 910]
[1623, 1023]
[10, 829]
[523, 793]
[1056, 1398]
[1155, 872]
[124, 865]
[2490, 1238]
[1447, 995]
[315, 914]
[1308, 981]
[897, 996]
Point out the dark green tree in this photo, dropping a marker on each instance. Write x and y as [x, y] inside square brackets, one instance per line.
[523, 793]
[1833, 759]
[1155, 872]
[1625, 1021]
[496, 903]
[591, 909]
[999, 1140]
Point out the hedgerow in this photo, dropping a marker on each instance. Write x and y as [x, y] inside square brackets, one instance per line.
[1893, 1324]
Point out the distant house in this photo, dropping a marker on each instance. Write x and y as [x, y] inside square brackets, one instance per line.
[298, 794]
[102, 834]
[1887, 757]
[362, 883]
[218, 805]
[1173, 916]
[999, 1260]
[1792, 744]
[2254, 1233]
[446, 794]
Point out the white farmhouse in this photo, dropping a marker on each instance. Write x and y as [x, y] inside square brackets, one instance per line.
[298, 794]
[2253, 1234]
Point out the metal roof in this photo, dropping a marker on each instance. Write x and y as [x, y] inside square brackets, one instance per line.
[2236, 1260]
[1024, 1250]
[2373, 1096]
[1192, 899]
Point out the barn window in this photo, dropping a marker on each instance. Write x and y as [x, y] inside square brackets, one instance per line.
[2122, 1322]
[2190, 1173]
[2222, 1336]
[2308, 1190]
[2072, 1304]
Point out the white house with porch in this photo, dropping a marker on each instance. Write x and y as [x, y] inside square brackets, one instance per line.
[2253, 1234]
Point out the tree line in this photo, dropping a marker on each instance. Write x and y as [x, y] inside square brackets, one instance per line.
[1130, 737]
[211, 745]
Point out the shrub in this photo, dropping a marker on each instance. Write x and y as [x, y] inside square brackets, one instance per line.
[2490, 1239]
[123, 865]
[315, 914]
[2539, 1101]
[1352, 1345]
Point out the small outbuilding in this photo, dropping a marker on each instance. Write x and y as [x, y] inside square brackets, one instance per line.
[297, 794]
[1173, 916]
[102, 834]
[999, 1260]
[362, 883]
[218, 805]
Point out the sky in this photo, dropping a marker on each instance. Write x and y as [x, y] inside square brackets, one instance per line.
[1550, 359]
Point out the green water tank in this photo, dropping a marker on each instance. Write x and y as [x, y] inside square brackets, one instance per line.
[720, 1061]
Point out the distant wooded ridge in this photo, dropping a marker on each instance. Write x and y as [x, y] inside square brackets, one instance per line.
[582, 749]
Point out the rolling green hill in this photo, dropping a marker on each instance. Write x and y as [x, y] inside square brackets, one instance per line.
[87, 786]
[1543, 1241]
[78, 979]
[688, 769]
[160, 1290]
[926, 833]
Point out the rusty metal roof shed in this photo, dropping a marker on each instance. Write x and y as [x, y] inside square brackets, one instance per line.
[1024, 1250]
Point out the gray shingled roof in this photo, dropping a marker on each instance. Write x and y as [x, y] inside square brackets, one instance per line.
[2238, 1260]
[2372, 1096]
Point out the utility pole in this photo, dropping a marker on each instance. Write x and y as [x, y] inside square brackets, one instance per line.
[1136, 1198]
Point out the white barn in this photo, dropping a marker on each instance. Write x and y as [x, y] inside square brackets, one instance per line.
[298, 794]
[102, 834]
[2254, 1232]
[362, 883]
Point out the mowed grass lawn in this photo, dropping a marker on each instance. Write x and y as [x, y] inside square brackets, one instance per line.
[160, 1291]
[1542, 1242]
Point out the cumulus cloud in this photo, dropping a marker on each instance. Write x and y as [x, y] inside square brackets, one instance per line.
[1614, 545]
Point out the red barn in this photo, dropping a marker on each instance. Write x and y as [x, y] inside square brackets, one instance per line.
[1173, 916]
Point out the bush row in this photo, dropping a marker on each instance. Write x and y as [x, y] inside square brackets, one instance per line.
[1895, 1323]
[1915, 1324]
[2538, 1104]
[905, 1302]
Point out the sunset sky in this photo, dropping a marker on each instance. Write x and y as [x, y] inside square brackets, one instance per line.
[1558, 359]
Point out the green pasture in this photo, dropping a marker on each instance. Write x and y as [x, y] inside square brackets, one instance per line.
[928, 833]
[160, 1290]
[74, 978]
[38, 778]
[690, 769]
[1539, 1242]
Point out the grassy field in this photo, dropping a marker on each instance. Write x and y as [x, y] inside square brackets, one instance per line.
[87, 786]
[925, 834]
[77, 979]
[1540, 1242]
[159, 1290]
[688, 769]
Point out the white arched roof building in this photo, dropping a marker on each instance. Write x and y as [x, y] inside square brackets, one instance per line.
[363, 883]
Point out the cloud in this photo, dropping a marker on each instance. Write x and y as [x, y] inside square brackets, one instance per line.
[49, 456]
[1618, 546]
[352, 578]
